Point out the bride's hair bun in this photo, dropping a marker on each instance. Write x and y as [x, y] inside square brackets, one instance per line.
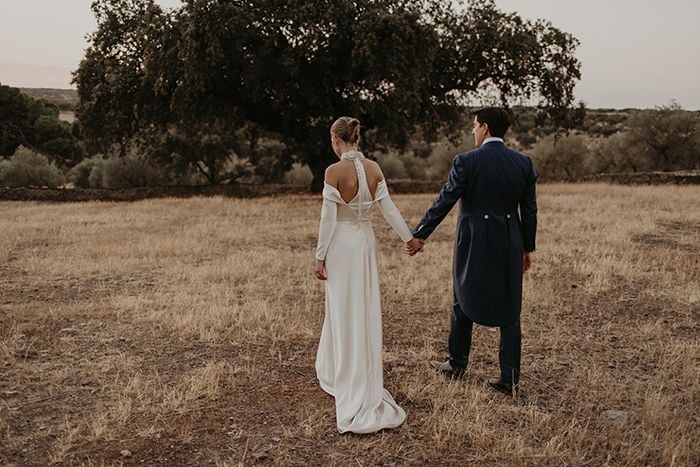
[347, 129]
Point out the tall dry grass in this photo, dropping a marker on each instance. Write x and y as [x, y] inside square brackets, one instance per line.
[185, 332]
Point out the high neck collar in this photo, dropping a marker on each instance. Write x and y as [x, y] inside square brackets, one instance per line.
[492, 139]
[353, 154]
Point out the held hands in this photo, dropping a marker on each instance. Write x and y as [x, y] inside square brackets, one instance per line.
[414, 245]
[320, 270]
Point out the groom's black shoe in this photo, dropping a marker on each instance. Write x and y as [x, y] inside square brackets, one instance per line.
[447, 369]
[504, 387]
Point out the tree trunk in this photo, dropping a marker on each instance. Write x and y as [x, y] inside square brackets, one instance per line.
[253, 136]
[318, 168]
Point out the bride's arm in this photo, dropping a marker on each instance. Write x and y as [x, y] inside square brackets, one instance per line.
[328, 216]
[329, 210]
[393, 216]
[326, 227]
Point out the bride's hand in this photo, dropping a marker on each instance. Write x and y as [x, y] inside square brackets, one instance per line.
[414, 246]
[320, 270]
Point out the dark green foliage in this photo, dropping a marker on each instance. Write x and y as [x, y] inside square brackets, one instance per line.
[392, 165]
[63, 99]
[557, 157]
[291, 67]
[619, 153]
[96, 178]
[203, 149]
[14, 120]
[130, 172]
[416, 167]
[82, 173]
[35, 124]
[424, 162]
[54, 137]
[604, 123]
[526, 139]
[668, 137]
[122, 81]
[269, 157]
[27, 168]
[117, 172]
[298, 175]
[443, 153]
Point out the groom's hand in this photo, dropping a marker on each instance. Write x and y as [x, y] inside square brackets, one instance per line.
[414, 246]
[527, 261]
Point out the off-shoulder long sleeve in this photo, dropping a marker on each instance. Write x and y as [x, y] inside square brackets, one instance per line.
[326, 227]
[391, 212]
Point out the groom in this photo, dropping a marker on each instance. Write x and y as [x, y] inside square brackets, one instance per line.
[493, 245]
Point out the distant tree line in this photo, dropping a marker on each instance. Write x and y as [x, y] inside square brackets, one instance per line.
[664, 139]
[607, 141]
[65, 99]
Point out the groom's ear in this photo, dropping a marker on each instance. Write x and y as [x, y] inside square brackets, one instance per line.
[487, 130]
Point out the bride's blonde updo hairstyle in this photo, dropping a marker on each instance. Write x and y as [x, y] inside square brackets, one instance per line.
[347, 129]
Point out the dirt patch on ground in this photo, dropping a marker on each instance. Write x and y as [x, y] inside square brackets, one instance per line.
[678, 234]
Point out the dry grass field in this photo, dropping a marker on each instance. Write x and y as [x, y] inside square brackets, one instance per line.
[184, 332]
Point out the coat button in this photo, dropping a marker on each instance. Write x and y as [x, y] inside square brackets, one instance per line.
[486, 216]
[508, 216]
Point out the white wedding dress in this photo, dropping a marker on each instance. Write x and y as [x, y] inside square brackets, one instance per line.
[349, 360]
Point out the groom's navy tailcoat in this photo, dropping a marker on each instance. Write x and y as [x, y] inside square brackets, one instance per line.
[493, 183]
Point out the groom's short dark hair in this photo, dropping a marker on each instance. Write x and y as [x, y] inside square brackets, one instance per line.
[496, 118]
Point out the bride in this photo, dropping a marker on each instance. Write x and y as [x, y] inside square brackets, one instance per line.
[349, 359]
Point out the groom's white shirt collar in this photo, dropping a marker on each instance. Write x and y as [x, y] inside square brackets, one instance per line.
[491, 139]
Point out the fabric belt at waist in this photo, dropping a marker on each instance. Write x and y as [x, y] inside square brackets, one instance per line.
[354, 221]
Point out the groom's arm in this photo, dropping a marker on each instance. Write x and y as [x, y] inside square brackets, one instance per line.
[528, 212]
[449, 194]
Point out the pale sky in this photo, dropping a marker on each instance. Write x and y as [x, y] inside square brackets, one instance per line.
[639, 53]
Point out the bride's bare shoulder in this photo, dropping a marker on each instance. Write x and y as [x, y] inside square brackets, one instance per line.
[373, 170]
[332, 175]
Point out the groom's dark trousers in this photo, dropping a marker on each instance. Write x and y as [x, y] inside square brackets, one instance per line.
[461, 340]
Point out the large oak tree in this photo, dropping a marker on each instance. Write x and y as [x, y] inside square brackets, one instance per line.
[292, 66]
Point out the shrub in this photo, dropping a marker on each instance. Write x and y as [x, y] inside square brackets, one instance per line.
[117, 172]
[298, 175]
[96, 178]
[440, 159]
[27, 168]
[619, 153]
[189, 177]
[391, 164]
[526, 140]
[129, 172]
[269, 161]
[81, 174]
[560, 157]
[669, 136]
[416, 167]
